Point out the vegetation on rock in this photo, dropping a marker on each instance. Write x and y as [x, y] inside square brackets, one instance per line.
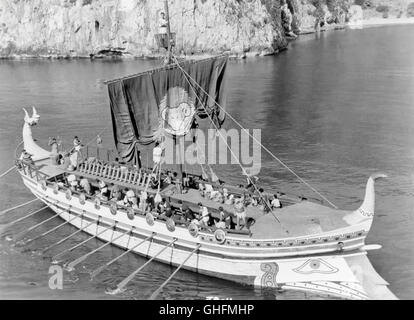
[410, 10]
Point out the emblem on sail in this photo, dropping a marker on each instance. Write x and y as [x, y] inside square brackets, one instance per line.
[177, 111]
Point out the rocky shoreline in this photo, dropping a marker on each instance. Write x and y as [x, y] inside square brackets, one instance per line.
[125, 29]
[127, 56]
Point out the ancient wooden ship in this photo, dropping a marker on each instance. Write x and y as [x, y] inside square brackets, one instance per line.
[305, 245]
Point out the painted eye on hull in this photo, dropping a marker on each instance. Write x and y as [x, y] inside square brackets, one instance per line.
[316, 266]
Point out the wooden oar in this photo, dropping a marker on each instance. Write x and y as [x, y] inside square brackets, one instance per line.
[24, 232]
[155, 294]
[25, 217]
[19, 206]
[67, 238]
[50, 231]
[74, 263]
[124, 282]
[5, 173]
[79, 244]
[101, 268]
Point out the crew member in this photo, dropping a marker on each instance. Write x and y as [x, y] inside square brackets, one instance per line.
[240, 212]
[163, 24]
[275, 202]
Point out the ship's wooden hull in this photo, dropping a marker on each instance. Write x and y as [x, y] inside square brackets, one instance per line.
[318, 267]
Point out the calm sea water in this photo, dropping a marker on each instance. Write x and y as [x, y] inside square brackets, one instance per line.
[335, 108]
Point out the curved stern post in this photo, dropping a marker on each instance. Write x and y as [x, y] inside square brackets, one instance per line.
[365, 213]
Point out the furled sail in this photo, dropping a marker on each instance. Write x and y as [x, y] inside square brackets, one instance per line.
[165, 100]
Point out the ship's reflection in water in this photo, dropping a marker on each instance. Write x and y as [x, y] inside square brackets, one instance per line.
[335, 109]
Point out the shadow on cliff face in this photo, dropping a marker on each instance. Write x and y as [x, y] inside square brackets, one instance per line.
[109, 53]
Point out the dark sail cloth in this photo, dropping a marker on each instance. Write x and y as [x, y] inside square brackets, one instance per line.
[144, 104]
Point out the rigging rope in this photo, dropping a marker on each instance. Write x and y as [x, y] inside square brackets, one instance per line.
[228, 147]
[7, 171]
[206, 162]
[254, 138]
[102, 131]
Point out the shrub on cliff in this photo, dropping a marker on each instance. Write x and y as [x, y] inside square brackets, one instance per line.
[382, 8]
[365, 4]
[410, 10]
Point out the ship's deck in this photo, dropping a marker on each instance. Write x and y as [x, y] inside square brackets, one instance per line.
[300, 219]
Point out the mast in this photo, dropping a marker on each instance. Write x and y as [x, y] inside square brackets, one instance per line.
[169, 61]
[169, 49]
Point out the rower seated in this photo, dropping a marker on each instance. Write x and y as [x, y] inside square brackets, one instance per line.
[251, 182]
[73, 182]
[186, 180]
[26, 157]
[221, 224]
[240, 212]
[143, 201]
[201, 189]
[254, 202]
[103, 190]
[179, 216]
[150, 203]
[130, 200]
[153, 182]
[167, 180]
[116, 194]
[168, 213]
[177, 182]
[204, 215]
[276, 204]
[264, 201]
[230, 200]
[188, 213]
[227, 217]
[85, 185]
[161, 206]
[214, 194]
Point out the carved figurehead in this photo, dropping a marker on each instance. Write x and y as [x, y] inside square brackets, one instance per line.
[29, 144]
[367, 210]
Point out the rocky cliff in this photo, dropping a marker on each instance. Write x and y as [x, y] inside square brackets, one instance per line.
[84, 27]
[80, 28]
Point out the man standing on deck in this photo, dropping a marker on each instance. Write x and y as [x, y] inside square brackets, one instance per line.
[75, 154]
[157, 156]
[240, 213]
[163, 24]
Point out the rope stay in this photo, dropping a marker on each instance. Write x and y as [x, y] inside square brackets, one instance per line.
[231, 151]
[7, 171]
[93, 139]
[254, 138]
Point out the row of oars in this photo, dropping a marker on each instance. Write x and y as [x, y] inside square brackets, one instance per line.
[71, 265]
